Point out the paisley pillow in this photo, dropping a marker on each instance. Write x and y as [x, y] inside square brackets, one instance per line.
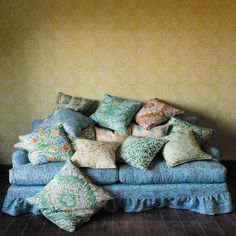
[73, 122]
[201, 134]
[47, 145]
[105, 135]
[74, 103]
[155, 112]
[139, 151]
[155, 132]
[69, 199]
[95, 154]
[181, 148]
[116, 113]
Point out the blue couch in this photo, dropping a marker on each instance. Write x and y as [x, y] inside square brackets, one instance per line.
[198, 186]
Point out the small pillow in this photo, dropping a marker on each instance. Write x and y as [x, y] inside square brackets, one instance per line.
[69, 199]
[73, 122]
[156, 132]
[201, 134]
[181, 148]
[138, 151]
[95, 154]
[116, 113]
[155, 112]
[47, 145]
[105, 135]
[74, 103]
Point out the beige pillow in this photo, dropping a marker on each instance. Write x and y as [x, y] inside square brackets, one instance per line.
[95, 154]
[156, 132]
[105, 135]
[181, 148]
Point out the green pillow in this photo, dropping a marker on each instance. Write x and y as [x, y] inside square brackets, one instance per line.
[70, 199]
[47, 145]
[139, 151]
[116, 113]
[181, 148]
[201, 134]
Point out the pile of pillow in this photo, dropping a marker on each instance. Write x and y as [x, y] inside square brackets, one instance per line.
[120, 130]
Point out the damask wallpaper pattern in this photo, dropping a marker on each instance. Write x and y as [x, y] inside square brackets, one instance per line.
[180, 51]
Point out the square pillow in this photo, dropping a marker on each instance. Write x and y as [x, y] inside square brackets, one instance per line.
[181, 148]
[73, 103]
[201, 134]
[73, 122]
[105, 135]
[116, 113]
[155, 132]
[47, 145]
[139, 151]
[70, 199]
[95, 154]
[155, 112]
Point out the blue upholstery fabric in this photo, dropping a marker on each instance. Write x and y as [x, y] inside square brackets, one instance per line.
[28, 174]
[207, 199]
[36, 124]
[159, 173]
[73, 122]
[19, 157]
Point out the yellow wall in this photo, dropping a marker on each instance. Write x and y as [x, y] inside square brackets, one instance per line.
[183, 52]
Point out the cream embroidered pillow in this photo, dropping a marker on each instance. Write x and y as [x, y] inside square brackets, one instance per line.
[155, 132]
[95, 154]
[105, 135]
[181, 148]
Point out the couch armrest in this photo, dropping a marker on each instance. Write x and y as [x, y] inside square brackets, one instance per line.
[214, 152]
[36, 123]
[19, 157]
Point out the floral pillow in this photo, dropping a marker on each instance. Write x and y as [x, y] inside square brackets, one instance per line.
[105, 135]
[95, 154]
[73, 122]
[201, 134]
[139, 151]
[69, 199]
[155, 132]
[74, 103]
[181, 148]
[47, 145]
[155, 112]
[116, 113]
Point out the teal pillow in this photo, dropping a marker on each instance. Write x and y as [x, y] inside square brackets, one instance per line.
[201, 134]
[139, 151]
[116, 113]
[73, 122]
[70, 199]
[181, 148]
[47, 145]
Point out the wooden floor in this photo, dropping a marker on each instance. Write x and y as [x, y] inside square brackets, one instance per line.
[155, 222]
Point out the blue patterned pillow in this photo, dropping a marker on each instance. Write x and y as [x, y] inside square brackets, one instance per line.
[69, 199]
[73, 122]
[116, 113]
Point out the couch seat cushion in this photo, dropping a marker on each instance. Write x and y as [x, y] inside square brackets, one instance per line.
[28, 174]
[159, 173]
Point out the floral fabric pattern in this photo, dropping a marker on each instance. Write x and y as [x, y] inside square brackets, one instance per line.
[155, 112]
[69, 199]
[47, 145]
[201, 134]
[155, 132]
[139, 151]
[105, 135]
[116, 113]
[73, 103]
[181, 148]
[95, 154]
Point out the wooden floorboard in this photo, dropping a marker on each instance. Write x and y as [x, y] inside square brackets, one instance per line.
[161, 222]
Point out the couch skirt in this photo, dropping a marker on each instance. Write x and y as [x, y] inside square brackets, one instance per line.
[209, 199]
